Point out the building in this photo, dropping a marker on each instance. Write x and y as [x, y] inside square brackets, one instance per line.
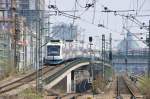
[5, 36]
[27, 11]
[32, 10]
[130, 57]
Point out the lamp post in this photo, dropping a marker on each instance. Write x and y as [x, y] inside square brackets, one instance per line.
[91, 71]
[149, 52]
[99, 52]
[40, 54]
[99, 45]
[126, 58]
[103, 55]
[37, 58]
[110, 48]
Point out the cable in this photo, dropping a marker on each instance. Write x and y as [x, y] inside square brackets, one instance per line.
[55, 2]
[88, 5]
[74, 14]
[94, 2]
[83, 20]
[133, 19]
[87, 1]
[79, 4]
[142, 5]
[87, 8]
[83, 12]
[133, 4]
[49, 2]
[137, 7]
[107, 18]
[142, 16]
[135, 36]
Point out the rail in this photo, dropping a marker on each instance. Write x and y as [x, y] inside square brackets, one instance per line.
[22, 81]
[6, 87]
[57, 74]
[125, 89]
[133, 91]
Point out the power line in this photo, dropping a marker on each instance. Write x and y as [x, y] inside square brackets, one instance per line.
[142, 16]
[94, 11]
[135, 36]
[142, 5]
[137, 6]
[73, 21]
[130, 17]
[99, 25]
[80, 4]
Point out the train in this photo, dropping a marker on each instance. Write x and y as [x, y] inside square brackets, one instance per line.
[58, 51]
[53, 53]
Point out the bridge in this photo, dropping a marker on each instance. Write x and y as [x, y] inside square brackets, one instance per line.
[52, 80]
[52, 75]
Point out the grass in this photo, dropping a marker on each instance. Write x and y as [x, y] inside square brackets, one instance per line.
[99, 83]
[30, 94]
[7, 68]
[145, 86]
[61, 86]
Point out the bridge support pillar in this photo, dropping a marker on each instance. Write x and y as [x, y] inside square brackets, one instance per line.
[69, 84]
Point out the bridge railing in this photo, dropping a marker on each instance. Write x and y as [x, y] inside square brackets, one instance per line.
[67, 67]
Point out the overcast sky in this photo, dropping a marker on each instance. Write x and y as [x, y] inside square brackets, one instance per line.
[113, 23]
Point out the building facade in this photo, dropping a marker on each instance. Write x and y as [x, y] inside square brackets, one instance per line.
[130, 57]
[27, 11]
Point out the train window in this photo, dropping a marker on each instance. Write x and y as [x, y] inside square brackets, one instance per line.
[53, 50]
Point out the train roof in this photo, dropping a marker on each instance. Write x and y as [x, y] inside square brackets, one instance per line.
[55, 42]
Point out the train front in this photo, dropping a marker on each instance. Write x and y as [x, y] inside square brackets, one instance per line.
[53, 53]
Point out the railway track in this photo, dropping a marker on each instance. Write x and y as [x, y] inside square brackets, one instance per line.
[24, 80]
[125, 90]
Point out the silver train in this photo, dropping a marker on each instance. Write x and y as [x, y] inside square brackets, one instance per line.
[58, 51]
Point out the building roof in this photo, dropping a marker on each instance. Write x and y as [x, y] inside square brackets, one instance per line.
[128, 44]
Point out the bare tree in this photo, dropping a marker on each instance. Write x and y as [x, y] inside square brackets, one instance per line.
[64, 31]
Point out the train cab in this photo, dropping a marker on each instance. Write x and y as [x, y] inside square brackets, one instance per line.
[53, 52]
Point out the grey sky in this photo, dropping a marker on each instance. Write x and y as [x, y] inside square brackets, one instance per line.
[114, 23]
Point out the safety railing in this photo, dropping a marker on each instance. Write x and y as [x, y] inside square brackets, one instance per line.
[67, 67]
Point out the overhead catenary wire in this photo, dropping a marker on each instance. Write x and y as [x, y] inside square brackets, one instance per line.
[137, 5]
[88, 5]
[79, 4]
[87, 9]
[74, 14]
[142, 5]
[142, 16]
[107, 28]
[94, 10]
[135, 36]
[131, 18]
[73, 21]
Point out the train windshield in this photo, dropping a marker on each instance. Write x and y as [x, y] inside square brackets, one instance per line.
[53, 50]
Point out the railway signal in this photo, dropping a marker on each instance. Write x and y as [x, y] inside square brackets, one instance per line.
[91, 69]
[90, 39]
[103, 55]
